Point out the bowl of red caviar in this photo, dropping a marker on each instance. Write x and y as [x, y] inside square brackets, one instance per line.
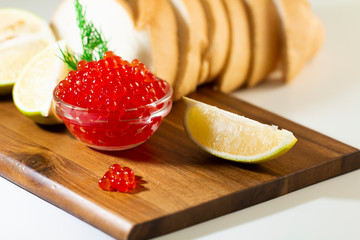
[112, 104]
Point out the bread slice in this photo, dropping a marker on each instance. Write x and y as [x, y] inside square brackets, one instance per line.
[153, 44]
[192, 39]
[219, 40]
[302, 35]
[164, 41]
[237, 65]
[143, 10]
[264, 24]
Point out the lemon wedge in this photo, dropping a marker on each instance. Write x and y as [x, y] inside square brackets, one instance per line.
[22, 35]
[234, 137]
[33, 91]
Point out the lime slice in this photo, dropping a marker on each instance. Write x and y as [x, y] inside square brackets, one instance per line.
[234, 137]
[22, 35]
[32, 93]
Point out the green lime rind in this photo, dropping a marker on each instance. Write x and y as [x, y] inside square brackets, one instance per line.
[253, 159]
[6, 88]
[38, 118]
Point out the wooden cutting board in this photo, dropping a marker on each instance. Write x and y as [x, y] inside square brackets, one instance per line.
[181, 185]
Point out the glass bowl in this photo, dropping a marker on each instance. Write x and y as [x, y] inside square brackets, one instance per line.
[114, 131]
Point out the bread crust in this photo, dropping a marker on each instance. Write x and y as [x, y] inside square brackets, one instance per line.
[143, 11]
[219, 40]
[163, 31]
[237, 65]
[192, 39]
[302, 35]
[264, 25]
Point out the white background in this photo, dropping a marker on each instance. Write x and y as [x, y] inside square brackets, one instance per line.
[325, 97]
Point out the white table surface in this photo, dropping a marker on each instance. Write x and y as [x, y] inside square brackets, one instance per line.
[325, 97]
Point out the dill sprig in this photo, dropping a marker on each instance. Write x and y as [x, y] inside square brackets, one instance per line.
[69, 59]
[92, 40]
[93, 43]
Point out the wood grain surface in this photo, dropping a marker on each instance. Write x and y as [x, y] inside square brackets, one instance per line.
[180, 185]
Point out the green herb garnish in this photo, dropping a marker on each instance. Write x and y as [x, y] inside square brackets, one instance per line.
[69, 59]
[93, 43]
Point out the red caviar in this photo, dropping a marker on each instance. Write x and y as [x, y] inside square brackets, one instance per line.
[112, 104]
[111, 84]
[117, 178]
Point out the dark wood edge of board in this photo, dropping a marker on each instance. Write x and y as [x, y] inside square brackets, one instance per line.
[235, 201]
